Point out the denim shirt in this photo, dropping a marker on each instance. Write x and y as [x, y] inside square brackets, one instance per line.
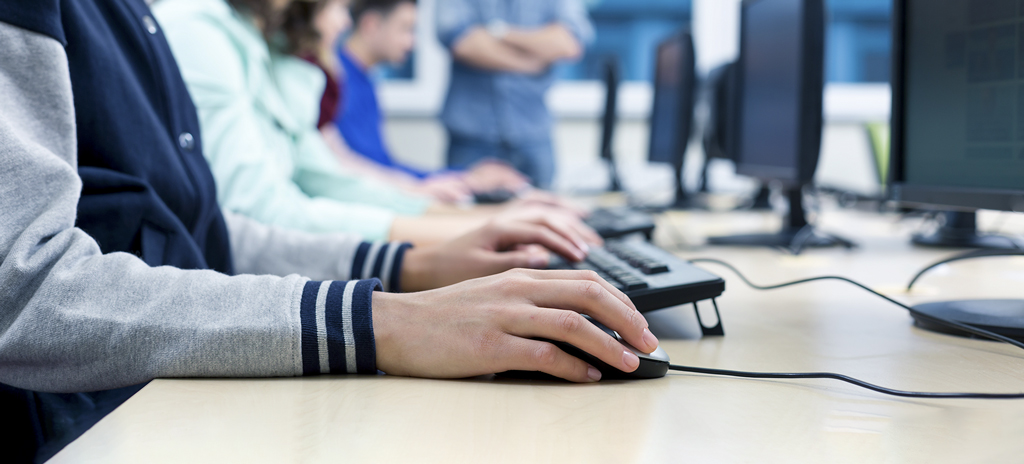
[501, 106]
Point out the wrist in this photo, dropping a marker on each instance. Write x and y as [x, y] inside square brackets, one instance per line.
[416, 269]
[385, 307]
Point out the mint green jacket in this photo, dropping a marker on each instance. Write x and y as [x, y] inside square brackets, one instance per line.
[258, 111]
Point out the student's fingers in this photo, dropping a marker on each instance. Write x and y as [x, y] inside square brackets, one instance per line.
[524, 257]
[534, 355]
[591, 296]
[560, 274]
[510, 234]
[566, 223]
[588, 233]
[556, 201]
[447, 189]
[456, 193]
[573, 328]
[580, 234]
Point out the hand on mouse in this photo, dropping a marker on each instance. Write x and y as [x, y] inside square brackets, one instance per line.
[488, 325]
[500, 245]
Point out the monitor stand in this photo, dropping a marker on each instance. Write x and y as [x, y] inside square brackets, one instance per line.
[683, 199]
[796, 235]
[613, 174]
[1004, 317]
[961, 231]
[686, 200]
[763, 200]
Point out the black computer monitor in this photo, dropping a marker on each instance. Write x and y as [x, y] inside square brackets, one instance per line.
[610, 74]
[958, 126]
[780, 81]
[720, 129]
[965, 149]
[720, 132]
[672, 111]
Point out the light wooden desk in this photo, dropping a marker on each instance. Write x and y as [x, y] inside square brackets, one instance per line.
[679, 418]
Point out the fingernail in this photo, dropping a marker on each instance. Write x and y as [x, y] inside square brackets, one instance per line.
[593, 374]
[650, 339]
[583, 246]
[630, 360]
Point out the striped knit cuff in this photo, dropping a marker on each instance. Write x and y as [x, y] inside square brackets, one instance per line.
[337, 327]
[382, 261]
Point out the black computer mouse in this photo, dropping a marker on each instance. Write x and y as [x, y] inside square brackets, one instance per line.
[652, 366]
[493, 197]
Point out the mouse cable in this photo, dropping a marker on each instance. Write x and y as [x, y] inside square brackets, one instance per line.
[845, 378]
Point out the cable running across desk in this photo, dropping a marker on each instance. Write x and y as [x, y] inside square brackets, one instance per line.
[938, 320]
[845, 378]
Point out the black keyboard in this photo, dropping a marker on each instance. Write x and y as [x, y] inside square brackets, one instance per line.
[619, 222]
[653, 278]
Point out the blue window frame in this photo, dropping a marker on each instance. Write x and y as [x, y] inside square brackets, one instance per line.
[628, 30]
[858, 47]
[859, 44]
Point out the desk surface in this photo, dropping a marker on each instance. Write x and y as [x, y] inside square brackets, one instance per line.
[682, 417]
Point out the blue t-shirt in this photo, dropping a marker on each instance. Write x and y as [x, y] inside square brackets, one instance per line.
[359, 119]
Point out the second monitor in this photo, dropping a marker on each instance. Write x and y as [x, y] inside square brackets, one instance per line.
[672, 111]
[780, 83]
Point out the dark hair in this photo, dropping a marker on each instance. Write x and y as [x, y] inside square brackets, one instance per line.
[262, 10]
[298, 28]
[359, 8]
[295, 23]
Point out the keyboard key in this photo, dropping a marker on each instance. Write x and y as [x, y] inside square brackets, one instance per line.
[651, 268]
[634, 285]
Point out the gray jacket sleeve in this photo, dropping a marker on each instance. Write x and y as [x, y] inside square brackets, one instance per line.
[74, 319]
[261, 249]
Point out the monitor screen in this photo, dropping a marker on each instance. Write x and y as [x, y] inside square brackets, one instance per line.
[963, 94]
[673, 81]
[771, 71]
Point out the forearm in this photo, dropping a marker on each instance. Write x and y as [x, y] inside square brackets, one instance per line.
[549, 44]
[433, 229]
[94, 322]
[481, 50]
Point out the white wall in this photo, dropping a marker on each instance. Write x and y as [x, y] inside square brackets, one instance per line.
[422, 142]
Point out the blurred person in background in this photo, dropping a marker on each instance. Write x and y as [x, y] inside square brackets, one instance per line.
[503, 52]
[384, 32]
[258, 105]
[313, 29]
